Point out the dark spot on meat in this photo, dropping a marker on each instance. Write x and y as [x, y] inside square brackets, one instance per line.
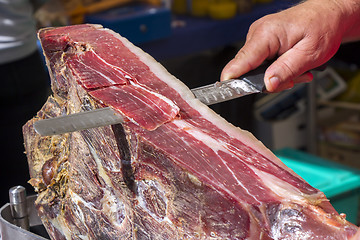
[125, 155]
[68, 48]
[290, 213]
[48, 171]
[272, 212]
[83, 47]
[86, 104]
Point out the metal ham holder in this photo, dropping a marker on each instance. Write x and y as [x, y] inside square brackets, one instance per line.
[19, 219]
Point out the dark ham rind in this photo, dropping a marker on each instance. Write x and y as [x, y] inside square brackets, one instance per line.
[175, 170]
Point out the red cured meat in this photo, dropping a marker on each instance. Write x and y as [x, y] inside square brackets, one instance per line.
[115, 87]
[92, 72]
[176, 170]
[139, 105]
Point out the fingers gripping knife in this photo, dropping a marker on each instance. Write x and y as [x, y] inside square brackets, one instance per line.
[252, 82]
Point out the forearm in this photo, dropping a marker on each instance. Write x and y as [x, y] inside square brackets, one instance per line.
[342, 15]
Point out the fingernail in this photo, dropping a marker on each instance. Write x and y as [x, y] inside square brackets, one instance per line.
[310, 77]
[224, 77]
[274, 82]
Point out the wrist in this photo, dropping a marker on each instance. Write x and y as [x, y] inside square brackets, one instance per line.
[351, 19]
[342, 15]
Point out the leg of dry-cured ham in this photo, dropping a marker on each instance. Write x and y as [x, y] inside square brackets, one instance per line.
[173, 170]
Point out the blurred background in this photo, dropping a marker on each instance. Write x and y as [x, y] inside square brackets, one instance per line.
[314, 128]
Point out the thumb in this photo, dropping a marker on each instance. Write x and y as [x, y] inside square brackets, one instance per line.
[287, 69]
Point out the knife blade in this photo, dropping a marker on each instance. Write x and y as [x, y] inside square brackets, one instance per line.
[77, 121]
[252, 82]
[209, 94]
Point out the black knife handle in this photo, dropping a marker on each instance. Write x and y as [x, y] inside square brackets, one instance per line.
[256, 77]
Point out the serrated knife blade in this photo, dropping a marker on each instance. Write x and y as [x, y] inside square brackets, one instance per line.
[77, 121]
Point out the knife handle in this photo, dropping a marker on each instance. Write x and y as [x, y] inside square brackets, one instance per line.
[256, 77]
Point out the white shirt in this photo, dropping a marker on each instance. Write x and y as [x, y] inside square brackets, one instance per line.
[17, 30]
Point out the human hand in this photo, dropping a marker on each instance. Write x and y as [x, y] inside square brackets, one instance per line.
[300, 38]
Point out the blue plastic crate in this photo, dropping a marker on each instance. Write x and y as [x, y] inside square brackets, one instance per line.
[138, 23]
[341, 184]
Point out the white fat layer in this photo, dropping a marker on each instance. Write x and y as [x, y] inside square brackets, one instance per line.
[85, 74]
[233, 132]
[119, 70]
[212, 143]
[282, 189]
[162, 97]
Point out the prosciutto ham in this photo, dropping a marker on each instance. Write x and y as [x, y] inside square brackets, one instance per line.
[173, 170]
